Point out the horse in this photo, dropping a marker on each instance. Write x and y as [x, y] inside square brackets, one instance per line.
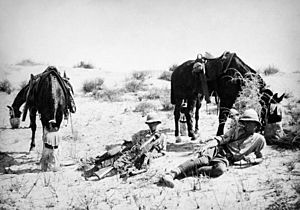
[185, 89]
[49, 95]
[272, 115]
[223, 75]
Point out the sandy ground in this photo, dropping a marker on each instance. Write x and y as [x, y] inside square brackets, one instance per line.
[274, 184]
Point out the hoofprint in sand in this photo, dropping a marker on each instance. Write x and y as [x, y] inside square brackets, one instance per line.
[96, 124]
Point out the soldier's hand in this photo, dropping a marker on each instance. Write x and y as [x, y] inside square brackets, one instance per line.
[202, 150]
[249, 159]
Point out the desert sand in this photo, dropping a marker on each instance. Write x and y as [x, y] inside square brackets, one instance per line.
[274, 184]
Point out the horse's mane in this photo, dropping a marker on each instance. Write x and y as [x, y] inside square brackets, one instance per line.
[248, 71]
[245, 66]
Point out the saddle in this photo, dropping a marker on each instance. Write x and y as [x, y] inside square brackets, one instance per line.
[209, 56]
[34, 84]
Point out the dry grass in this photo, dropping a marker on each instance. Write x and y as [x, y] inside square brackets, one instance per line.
[249, 96]
[111, 95]
[270, 70]
[133, 85]
[5, 86]
[84, 65]
[92, 85]
[145, 107]
[166, 75]
[140, 75]
[269, 184]
[28, 62]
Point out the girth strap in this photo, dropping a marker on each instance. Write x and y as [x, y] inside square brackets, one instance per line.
[50, 146]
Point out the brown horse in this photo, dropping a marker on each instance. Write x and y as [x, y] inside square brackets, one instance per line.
[186, 88]
[48, 94]
[198, 78]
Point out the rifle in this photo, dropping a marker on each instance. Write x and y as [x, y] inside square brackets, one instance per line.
[141, 159]
[109, 155]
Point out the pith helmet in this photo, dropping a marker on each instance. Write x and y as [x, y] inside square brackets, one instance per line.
[152, 118]
[250, 115]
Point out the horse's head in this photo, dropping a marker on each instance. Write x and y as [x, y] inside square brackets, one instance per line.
[14, 112]
[208, 69]
[200, 80]
[271, 111]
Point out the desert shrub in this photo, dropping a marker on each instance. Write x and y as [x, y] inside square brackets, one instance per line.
[163, 94]
[5, 86]
[92, 85]
[270, 70]
[145, 107]
[166, 104]
[165, 100]
[133, 85]
[154, 93]
[288, 95]
[249, 96]
[166, 75]
[293, 110]
[173, 67]
[84, 65]
[140, 75]
[111, 95]
[28, 62]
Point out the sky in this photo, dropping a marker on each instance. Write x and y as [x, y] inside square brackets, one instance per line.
[127, 35]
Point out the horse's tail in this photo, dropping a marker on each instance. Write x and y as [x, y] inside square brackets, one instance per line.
[173, 101]
[55, 84]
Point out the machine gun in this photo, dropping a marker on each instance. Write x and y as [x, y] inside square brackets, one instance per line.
[142, 159]
[128, 161]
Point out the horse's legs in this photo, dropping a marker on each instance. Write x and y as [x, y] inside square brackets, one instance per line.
[189, 114]
[198, 106]
[225, 106]
[177, 116]
[33, 127]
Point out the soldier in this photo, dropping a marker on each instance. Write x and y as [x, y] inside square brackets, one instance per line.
[134, 155]
[215, 156]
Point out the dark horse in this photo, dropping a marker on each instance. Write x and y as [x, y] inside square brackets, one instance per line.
[198, 78]
[48, 94]
[186, 89]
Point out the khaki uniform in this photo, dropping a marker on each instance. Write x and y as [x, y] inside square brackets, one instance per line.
[233, 146]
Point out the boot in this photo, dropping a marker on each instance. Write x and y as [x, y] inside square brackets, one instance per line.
[168, 179]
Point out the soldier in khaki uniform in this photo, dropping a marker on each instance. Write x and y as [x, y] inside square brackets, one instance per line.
[215, 156]
[134, 155]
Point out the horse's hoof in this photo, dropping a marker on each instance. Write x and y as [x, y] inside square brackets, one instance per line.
[178, 139]
[32, 149]
[193, 136]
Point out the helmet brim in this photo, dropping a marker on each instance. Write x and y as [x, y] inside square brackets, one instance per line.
[152, 121]
[250, 120]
